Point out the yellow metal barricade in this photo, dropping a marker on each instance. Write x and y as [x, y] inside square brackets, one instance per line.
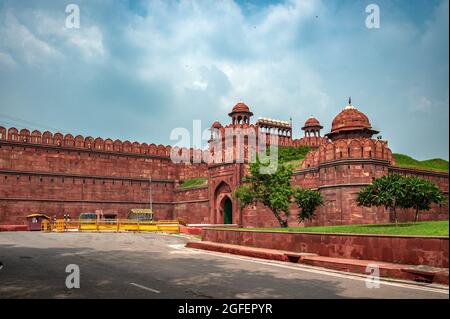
[168, 225]
[87, 224]
[148, 226]
[59, 225]
[46, 226]
[107, 225]
[117, 225]
[72, 225]
[129, 225]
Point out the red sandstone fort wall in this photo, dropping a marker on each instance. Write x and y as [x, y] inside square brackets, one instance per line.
[192, 205]
[14, 212]
[23, 194]
[339, 182]
[59, 175]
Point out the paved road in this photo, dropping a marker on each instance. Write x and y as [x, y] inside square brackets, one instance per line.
[158, 266]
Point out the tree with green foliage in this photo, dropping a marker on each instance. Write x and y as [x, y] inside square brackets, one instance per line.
[307, 201]
[272, 190]
[388, 191]
[420, 194]
[396, 191]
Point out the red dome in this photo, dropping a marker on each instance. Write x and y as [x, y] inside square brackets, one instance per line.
[241, 107]
[312, 121]
[216, 124]
[350, 119]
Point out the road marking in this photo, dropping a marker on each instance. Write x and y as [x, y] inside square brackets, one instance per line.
[146, 288]
[332, 273]
[179, 249]
[177, 246]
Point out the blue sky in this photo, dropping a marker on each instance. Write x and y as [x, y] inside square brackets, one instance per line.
[138, 69]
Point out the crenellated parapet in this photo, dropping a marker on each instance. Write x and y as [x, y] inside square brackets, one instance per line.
[358, 148]
[99, 144]
[309, 141]
[80, 142]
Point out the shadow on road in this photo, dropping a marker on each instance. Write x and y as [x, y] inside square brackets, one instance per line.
[31, 272]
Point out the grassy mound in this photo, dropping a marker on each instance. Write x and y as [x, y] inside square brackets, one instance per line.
[436, 164]
[289, 155]
[194, 182]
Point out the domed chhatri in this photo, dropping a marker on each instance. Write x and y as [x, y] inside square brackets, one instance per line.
[312, 127]
[216, 125]
[241, 107]
[240, 114]
[312, 122]
[351, 123]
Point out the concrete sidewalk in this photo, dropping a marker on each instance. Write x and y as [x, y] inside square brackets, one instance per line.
[389, 270]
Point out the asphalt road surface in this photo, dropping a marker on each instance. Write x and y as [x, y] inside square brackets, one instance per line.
[151, 265]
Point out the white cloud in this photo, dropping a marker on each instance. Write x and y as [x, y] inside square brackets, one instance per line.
[18, 38]
[169, 61]
[181, 39]
[49, 39]
[87, 39]
[6, 60]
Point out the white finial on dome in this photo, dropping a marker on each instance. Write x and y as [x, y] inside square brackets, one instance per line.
[349, 106]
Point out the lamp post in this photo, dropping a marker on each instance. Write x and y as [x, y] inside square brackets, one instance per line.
[150, 193]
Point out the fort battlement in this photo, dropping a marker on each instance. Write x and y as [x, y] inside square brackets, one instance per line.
[89, 143]
[353, 148]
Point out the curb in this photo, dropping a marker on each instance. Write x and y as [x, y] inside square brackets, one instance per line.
[13, 228]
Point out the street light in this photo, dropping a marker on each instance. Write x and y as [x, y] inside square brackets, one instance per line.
[150, 193]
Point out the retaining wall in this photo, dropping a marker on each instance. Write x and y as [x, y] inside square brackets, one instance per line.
[412, 250]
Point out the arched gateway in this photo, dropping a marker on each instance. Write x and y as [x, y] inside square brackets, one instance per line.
[227, 211]
[223, 204]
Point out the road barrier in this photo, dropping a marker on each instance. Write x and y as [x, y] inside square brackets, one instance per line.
[46, 226]
[111, 225]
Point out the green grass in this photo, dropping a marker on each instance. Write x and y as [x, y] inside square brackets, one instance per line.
[294, 156]
[194, 182]
[436, 164]
[296, 164]
[289, 153]
[432, 228]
